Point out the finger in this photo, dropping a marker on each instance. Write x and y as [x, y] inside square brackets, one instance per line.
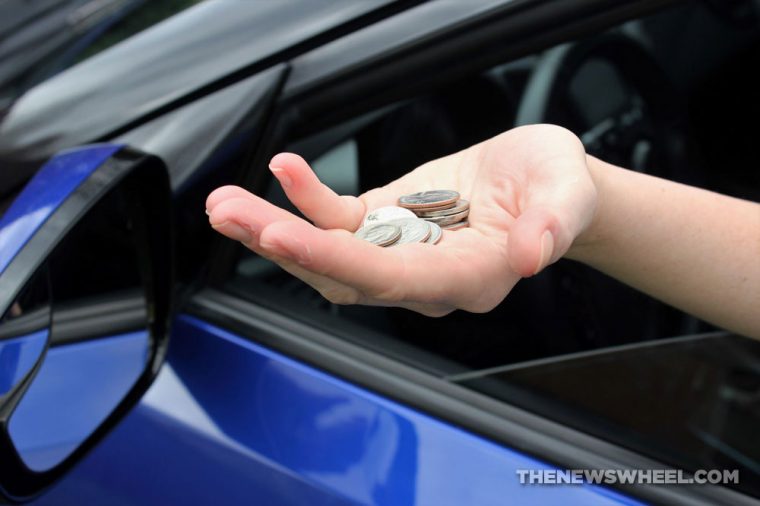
[334, 254]
[223, 193]
[315, 200]
[411, 272]
[243, 218]
[333, 291]
[339, 293]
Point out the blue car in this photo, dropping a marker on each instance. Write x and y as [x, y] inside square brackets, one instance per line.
[147, 360]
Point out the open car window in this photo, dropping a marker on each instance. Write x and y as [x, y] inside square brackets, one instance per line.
[570, 344]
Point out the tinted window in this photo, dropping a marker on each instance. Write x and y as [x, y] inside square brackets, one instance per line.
[691, 403]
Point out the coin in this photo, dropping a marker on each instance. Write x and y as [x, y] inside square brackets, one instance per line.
[458, 207]
[429, 199]
[449, 220]
[412, 230]
[456, 226]
[435, 233]
[382, 234]
[387, 213]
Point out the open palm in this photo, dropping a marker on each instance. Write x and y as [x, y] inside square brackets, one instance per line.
[530, 196]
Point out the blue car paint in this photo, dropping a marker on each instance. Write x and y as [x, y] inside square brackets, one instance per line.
[17, 357]
[228, 421]
[47, 190]
[76, 388]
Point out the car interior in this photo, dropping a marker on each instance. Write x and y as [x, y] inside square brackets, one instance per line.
[668, 95]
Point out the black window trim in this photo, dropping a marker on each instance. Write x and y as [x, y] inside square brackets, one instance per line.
[517, 27]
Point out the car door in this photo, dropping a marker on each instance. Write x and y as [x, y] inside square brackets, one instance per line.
[253, 404]
[268, 393]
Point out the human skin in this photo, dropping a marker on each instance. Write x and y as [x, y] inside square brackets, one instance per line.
[535, 196]
[691, 248]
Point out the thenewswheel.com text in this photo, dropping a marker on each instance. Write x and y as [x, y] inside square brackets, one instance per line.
[627, 476]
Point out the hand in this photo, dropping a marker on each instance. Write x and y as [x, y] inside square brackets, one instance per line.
[530, 196]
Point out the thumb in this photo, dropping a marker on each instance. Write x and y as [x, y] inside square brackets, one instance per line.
[536, 239]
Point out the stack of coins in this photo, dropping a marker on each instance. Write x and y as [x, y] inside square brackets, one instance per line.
[419, 217]
[442, 207]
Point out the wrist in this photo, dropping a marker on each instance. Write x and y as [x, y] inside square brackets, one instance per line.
[591, 240]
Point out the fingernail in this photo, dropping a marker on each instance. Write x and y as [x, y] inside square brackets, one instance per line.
[289, 247]
[208, 213]
[234, 231]
[281, 176]
[547, 248]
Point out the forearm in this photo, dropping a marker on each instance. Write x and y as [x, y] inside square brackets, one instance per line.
[696, 250]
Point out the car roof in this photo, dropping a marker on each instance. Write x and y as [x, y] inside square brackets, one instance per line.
[202, 48]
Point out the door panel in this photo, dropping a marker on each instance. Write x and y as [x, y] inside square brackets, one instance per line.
[228, 421]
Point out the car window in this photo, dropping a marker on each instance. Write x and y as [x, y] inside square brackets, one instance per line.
[637, 98]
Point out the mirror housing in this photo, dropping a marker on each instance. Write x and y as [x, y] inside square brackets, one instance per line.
[45, 224]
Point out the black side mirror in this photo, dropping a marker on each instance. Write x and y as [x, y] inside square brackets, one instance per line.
[85, 288]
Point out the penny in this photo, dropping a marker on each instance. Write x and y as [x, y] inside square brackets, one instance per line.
[450, 219]
[412, 230]
[458, 207]
[456, 226]
[387, 213]
[435, 233]
[429, 199]
[382, 234]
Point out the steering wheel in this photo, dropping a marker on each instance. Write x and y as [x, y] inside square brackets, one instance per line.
[612, 93]
[616, 98]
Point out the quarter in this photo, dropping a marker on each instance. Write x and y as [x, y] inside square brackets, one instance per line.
[458, 207]
[412, 230]
[456, 226]
[429, 199]
[450, 219]
[387, 213]
[435, 233]
[382, 234]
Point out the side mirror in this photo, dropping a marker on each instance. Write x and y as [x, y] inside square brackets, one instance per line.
[85, 286]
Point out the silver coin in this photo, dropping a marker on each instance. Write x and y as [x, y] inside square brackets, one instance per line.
[412, 230]
[450, 219]
[382, 234]
[456, 226]
[435, 233]
[458, 207]
[387, 213]
[430, 198]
